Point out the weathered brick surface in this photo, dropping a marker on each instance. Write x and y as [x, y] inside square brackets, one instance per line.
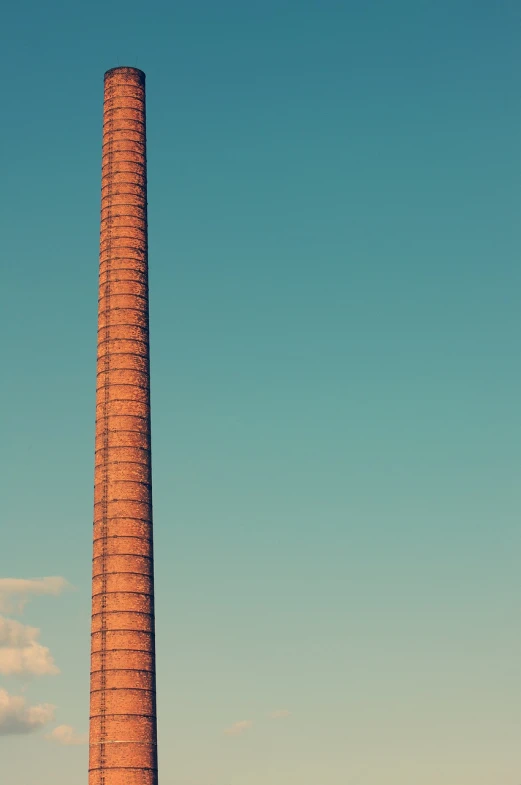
[123, 620]
[128, 659]
[121, 755]
[121, 601]
[122, 679]
[123, 703]
[122, 508]
[124, 776]
[120, 528]
[120, 544]
[123, 700]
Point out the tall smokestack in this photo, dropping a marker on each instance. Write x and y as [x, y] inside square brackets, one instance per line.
[123, 699]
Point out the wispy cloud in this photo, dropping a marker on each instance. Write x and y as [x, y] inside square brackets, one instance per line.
[65, 734]
[20, 652]
[16, 717]
[280, 714]
[15, 593]
[238, 727]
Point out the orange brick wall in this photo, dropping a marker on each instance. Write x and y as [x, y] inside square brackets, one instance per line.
[123, 697]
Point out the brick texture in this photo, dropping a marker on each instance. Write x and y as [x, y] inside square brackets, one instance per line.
[123, 695]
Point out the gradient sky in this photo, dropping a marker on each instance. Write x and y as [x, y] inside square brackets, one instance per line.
[335, 282]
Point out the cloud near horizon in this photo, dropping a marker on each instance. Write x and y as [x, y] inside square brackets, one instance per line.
[15, 593]
[280, 714]
[20, 652]
[66, 735]
[18, 718]
[238, 728]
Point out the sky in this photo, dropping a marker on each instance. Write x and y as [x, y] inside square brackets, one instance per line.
[334, 282]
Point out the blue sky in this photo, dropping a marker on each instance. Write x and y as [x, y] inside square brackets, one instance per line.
[334, 248]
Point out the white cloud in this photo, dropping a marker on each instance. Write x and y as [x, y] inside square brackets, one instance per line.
[14, 633]
[65, 734]
[16, 717]
[238, 727]
[15, 593]
[280, 714]
[20, 652]
[33, 660]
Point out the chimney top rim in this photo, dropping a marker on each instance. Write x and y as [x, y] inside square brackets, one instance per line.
[126, 69]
